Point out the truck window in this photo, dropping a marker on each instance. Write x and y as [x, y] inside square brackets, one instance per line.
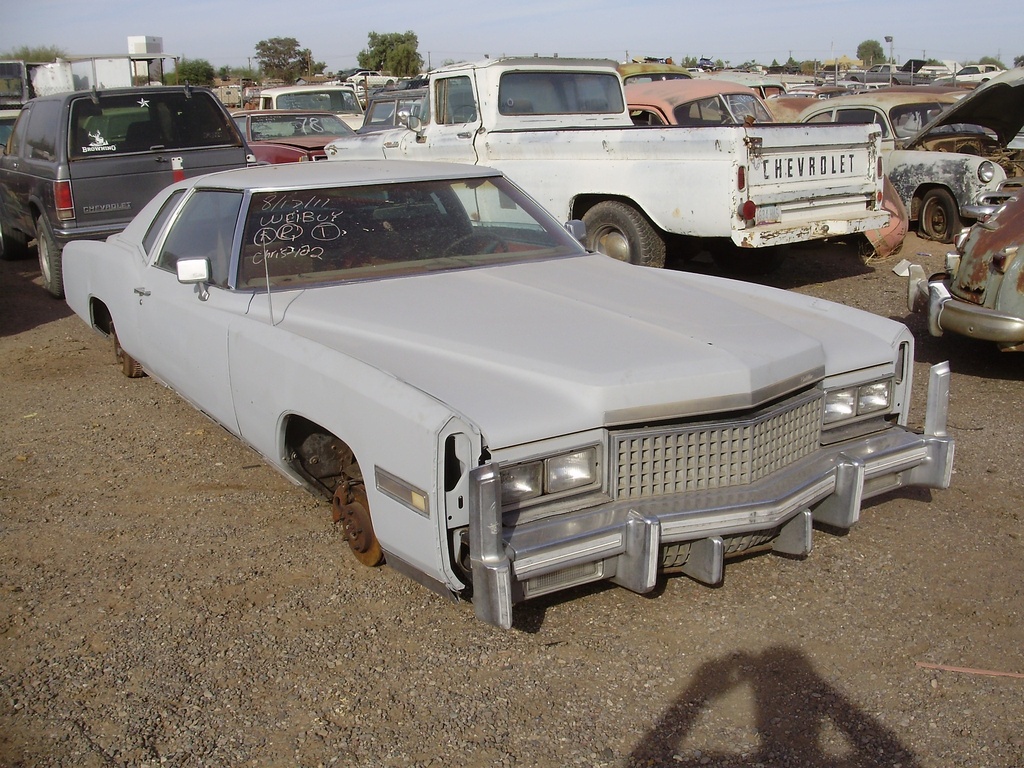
[559, 93]
[455, 101]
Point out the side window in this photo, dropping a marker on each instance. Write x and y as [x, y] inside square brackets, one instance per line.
[645, 117]
[205, 228]
[41, 141]
[861, 116]
[455, 102]
[161, 218]
[821, 117]
[17, 140]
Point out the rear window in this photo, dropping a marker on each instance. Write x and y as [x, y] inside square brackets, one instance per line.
[559, 93]
[342, 101]
[142, 122]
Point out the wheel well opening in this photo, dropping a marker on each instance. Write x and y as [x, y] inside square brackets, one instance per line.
[101, 319]
[322, 459]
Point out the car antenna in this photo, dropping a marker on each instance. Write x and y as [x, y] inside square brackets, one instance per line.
[266, 275]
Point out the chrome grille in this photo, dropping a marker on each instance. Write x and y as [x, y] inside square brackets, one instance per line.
[719, 454]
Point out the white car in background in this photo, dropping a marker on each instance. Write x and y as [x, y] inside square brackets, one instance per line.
[972, 74]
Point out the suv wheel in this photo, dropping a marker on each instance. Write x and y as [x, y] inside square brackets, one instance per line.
[49, 259]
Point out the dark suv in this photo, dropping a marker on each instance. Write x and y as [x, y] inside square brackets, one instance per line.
[80, 165]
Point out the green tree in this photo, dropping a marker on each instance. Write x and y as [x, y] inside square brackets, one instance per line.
[43, 54]
[991, 60]
[393, 52]
[282, 59]
[1018, 61]
[870, 52]
[195, 71]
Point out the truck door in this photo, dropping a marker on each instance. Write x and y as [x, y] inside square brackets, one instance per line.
[451, 131]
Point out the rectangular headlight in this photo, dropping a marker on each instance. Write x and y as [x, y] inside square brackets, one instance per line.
[874, 397]
[572, 470]
[522, 481]
[863, 400]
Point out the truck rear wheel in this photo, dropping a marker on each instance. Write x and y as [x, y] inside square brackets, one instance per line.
[49, 259]
[939, 218]
[622, 232]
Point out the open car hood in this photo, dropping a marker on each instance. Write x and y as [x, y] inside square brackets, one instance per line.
[997, 105]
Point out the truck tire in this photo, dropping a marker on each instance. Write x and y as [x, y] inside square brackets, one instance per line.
[622, 232]
[49, 259]
[939, 218]
[13, 244]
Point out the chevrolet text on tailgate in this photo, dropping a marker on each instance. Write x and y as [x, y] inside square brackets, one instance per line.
[561, 129]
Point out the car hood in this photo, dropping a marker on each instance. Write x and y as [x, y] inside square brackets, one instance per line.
[557, 347]
[997, 105]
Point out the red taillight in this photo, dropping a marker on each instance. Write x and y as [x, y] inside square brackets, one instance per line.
[741, 179]
[748, 210]
[878, 169]
[63, 201]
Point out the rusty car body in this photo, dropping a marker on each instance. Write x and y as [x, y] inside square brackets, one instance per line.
[901, 111]
[695, 102]
[966, 152]
[289, 136]
[981, 292]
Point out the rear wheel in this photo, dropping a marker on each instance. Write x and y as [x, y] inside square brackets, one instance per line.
[130, 367]
[939, 218]
[622, 232]
[49, 259]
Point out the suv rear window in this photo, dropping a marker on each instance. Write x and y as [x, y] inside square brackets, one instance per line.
[141, 122]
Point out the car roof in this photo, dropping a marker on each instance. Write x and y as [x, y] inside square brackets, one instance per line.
[277, 89]
[884, 99]
[675, 92]
[283, 112]
[336, 173]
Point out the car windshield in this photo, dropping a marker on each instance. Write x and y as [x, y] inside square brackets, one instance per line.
[287, 126]
[908, 119]
[339, 100]
[306, 237]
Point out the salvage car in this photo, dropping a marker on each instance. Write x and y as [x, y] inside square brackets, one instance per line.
[963, 154]
[488, 407]
[340, 99]
[971, 75]
[694, 102]
[289, 136]
[901, 112]
[981, 292]
[386, 107]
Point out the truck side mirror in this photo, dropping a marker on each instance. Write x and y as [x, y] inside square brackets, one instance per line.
[409, 120]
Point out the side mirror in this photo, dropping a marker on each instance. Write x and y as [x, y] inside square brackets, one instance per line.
[407, 119]
[195, 272]
[577, 229]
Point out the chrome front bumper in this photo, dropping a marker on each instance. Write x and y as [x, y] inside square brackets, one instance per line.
[621, 541]
[948, 313]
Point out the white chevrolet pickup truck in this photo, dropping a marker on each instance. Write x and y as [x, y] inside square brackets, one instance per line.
[561, 129]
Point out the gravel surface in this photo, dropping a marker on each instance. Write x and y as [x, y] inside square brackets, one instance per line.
[170, 600]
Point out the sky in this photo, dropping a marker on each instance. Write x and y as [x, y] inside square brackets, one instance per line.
[225, 32]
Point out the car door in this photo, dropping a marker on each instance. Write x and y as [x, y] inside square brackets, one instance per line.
[186, 327]
[452, 130]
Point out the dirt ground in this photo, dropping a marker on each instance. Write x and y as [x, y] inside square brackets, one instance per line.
[170, 600]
